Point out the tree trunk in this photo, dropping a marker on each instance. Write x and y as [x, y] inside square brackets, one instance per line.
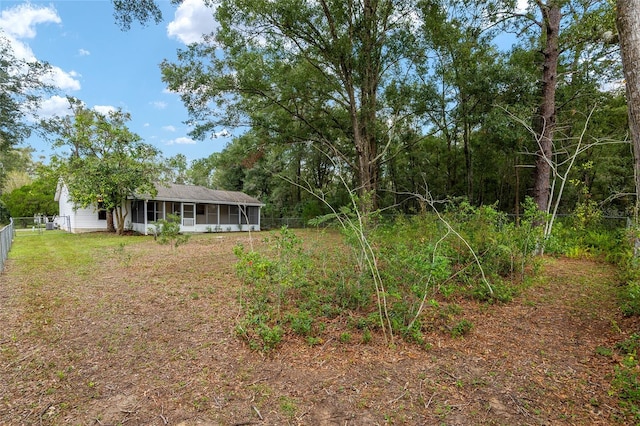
[628, 22]
[466, 136]
[121, 216]
[362, 88]
[110, 225]
[546, 121]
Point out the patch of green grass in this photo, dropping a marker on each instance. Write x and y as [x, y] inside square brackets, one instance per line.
[288, 406]
[301, 323]
[313, 341]
[630, 345]
[366, 336]
[345, 337]
[604, 351]
[59, 250]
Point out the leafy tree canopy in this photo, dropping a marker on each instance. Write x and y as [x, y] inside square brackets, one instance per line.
[22, 87]
[403, 97]
[32, 199]
[126, 12]
[106, 163]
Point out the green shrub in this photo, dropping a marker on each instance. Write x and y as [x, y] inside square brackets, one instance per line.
[579, 237]
[271, 336]
[301, 323]
[626, 381]
[629, 295]
[402, 266]
[629, 346]
[272, 282]
[604, 351]
[461, 328]
[630, 299]
[366, 336]
[345, 337]
[503, 291]
[352, 294]
[167, 231]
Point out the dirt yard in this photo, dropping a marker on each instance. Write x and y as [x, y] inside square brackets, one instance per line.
[141, 335]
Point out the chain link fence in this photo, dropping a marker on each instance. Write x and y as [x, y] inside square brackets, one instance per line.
[41, 223]
[267, 223]
[6, 239]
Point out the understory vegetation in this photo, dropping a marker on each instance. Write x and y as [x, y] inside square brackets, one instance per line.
[406, 275]
[403, 275]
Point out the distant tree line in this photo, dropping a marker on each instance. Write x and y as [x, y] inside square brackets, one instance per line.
[474, 100]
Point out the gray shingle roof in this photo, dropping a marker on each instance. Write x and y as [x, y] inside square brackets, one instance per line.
[200, 194]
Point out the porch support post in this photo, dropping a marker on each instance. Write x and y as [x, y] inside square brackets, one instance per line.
[146, 228]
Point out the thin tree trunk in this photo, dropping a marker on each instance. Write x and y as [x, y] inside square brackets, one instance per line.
[546, 121]
[467, 159]
[628, 22]
[363, 108]
[121, 214]
[110, 223]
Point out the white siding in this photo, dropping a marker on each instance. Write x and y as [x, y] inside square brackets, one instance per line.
[140, 227]
[81, 220]
[86, 220]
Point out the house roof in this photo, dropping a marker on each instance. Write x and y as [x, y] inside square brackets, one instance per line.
[200, 194]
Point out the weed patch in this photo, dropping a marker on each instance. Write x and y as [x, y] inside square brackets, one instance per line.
[626, 381]
[394, 284]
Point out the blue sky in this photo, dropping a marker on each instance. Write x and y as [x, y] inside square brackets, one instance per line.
[107, 68]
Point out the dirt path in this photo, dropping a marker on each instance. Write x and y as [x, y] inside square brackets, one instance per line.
[148, 339]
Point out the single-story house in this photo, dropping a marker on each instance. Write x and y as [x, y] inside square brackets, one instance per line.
[200, 209]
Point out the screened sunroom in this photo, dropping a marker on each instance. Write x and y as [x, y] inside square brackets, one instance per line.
[198, 209]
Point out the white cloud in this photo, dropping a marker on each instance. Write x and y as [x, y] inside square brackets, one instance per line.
[54, 106]
[221, 134]
[20, 21]
[61, 79]
[159, 104]
[83, 52]
[21, 50]
[59, 106]
[181, 141]
[104, 109]
[522, 5]
[169, 128]
[192, 20]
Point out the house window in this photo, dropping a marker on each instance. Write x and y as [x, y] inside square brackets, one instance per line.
[137, 211]
[249, 215]
[201, 214]
[212, 214]
[224, 214]
[174, 208]
[154, 211]
[234, 214]
[102, 212]
[229, 215]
